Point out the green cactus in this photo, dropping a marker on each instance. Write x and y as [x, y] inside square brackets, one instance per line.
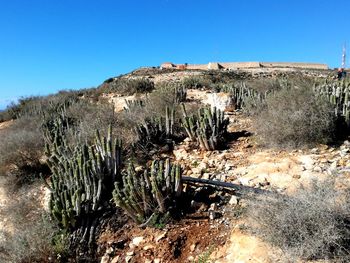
[82, 179]
[208, 128]
[149, 193]
[155, 131]
[337, 93]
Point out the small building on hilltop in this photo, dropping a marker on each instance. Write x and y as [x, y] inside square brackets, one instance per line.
[244, 65]
[167, 65]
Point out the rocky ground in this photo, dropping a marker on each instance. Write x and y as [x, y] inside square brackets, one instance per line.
[213, 230]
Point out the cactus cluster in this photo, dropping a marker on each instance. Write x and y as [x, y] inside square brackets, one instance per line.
[149, 193]
[180, 93]
[338, 93]
[243, 95]
[134, 105]
[156, 131]
[82, 179]
[54, 130]
[208, 128]
[177, 91]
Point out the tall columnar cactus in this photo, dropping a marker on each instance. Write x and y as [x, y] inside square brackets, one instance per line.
[243, 95]
[82, 179]
[337, 93]
[180, 93]
[134, 105]
[156, 131]
[176, 91]
[54, 130]
[208, 128]
[151, 193]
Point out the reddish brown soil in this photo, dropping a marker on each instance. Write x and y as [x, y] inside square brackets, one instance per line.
[183, 241]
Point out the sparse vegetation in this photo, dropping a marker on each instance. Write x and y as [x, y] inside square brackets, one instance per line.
[127, 86]
[30, 234]
[197, 82]
[86, 174]
[311, 224]
[21, 149]
[295, 117]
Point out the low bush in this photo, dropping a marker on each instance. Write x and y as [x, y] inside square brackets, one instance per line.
[294, 117]
[34, 237]
[21, 147]
[311, 224]
[197, 82]
[89, 117]
[38, 106]
[127, 86]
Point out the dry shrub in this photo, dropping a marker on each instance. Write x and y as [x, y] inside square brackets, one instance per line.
[294, 117]
[89, 117]
[127, 86]
[31, 237]
[311, 224]
[21, 147]
[197, 82]
[34, 106]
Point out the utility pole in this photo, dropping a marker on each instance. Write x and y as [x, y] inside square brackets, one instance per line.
[343, 57]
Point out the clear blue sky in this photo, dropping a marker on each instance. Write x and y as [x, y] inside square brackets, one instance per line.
[50, 45]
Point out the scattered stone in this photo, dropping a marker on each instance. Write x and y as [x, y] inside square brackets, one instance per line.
[156, 260]
[130, 253]
[193, 247]
[138, 168]
[115, 259]
[323, 160]
[203, 166]
[190, 259]
[213, 211]
[331, 150]
[137, 241]
[344, 152]
[105, 259]
[296, 176]
[244, 181]
[233, 200]
[128, 258]
[196, 170]
[187, 139]
[189, 172]
[196, 205]
[109, 250]
[314, 150]
[203, 207]
[317, 169]
[161, 236]
[206, 176]
[148, 247]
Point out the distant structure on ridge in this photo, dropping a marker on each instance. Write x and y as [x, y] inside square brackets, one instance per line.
[245, 65]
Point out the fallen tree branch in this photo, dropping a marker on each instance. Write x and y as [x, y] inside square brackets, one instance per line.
[237, 187]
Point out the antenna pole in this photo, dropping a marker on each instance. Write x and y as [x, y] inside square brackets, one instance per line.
[343, 58]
